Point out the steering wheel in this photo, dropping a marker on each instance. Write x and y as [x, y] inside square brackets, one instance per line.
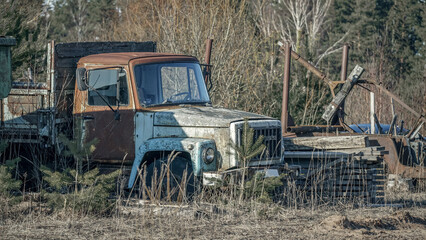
[180, 94]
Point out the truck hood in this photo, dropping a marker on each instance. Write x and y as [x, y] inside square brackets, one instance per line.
[202, 117]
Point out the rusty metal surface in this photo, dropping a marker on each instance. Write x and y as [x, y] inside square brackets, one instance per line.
[125, 57]
[343, 77]
[395, 98]
[314, 70]
[286, 82]
[115, 137]
[344, 70]
[19, 109]
[397, 149]
[396, 154]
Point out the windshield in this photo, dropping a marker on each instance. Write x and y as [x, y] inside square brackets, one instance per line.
[170, 83]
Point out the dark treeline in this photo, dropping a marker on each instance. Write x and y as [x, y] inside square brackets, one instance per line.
[387, 38]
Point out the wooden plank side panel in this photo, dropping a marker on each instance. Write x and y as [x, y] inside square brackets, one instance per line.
[81, 49]
[339, 142]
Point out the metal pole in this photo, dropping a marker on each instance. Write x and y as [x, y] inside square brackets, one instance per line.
[284, 112]
[209, 44]
[345, 55]
[343, 76]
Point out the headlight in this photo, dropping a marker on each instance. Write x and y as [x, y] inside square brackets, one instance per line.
[208, 155]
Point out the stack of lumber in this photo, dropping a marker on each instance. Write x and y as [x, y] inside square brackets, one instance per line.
[338, 167]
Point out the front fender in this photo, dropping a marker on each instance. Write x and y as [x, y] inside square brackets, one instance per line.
[193, 146]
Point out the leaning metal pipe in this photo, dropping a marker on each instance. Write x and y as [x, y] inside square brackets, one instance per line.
[344, 73]
[345, 55]
[286, 80]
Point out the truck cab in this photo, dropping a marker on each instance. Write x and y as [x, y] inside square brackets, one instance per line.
[142, 105]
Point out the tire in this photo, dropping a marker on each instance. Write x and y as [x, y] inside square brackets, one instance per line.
[156, 174]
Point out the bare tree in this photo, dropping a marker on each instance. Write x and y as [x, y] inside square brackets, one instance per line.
[79, 15]
[293, 20]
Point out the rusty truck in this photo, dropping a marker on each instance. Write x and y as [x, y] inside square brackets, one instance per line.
[140, 105]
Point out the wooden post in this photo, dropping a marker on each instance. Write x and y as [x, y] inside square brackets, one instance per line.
[372, 111]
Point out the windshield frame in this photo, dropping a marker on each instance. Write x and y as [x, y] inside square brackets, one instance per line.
[201, 88]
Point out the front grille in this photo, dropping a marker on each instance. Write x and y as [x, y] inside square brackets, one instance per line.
[272, 141]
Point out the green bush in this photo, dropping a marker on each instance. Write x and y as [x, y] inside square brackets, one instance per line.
[7, 182]
[81, 193]
[262, 189]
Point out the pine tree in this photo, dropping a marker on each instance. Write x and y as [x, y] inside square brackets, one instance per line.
[247, 150]
[25, 21]
[83, 20]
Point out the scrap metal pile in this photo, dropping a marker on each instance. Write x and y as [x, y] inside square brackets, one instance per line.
[338, 166]
[340, 161]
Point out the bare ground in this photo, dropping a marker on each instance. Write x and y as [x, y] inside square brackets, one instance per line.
[207, 221]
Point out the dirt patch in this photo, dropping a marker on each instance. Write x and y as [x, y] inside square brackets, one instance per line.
[398, 220]
[337, 222]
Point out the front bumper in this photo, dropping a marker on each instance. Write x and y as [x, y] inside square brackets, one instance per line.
[218, 179]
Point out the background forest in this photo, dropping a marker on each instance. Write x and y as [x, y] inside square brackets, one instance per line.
[387, 38]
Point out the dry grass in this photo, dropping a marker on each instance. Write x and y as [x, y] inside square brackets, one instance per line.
[205, 221]
[220, 215]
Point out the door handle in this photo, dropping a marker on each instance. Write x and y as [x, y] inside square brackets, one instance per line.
[88, 117]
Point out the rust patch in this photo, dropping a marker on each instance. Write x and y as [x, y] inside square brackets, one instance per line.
[115, 137]
[394, 155]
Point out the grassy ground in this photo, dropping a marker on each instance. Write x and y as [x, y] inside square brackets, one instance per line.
[250, 220]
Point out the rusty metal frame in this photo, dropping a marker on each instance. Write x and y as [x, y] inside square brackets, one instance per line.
[332, 84]
[392, 157]
[395, 98]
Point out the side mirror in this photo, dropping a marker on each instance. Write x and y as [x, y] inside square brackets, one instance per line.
[207, 73]
[81, 79]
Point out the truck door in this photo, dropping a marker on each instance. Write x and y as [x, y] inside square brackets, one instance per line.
[108, 116]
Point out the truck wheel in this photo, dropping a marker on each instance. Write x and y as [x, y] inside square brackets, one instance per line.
[181, 180]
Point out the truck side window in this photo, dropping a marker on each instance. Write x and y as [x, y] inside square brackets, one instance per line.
[148, 86]
[103, 87]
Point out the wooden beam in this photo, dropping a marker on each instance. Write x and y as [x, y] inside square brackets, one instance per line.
[372, 112]
[343, 93]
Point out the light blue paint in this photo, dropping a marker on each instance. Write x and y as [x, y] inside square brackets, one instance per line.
[193, 146]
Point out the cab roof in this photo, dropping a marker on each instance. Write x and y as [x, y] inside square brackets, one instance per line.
[123, 58]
